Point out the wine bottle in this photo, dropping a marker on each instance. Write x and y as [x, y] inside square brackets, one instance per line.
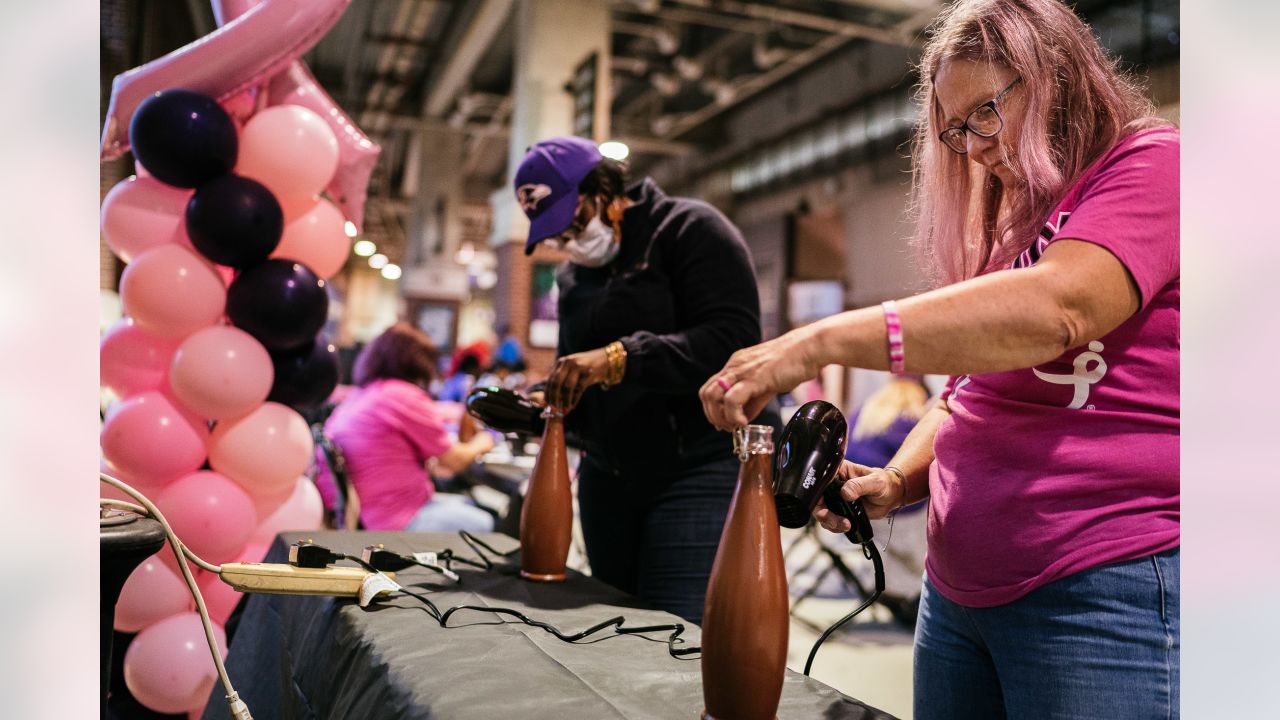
[745, 623]
[546, 520]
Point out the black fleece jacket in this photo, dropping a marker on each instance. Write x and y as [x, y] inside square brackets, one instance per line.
[681, 297]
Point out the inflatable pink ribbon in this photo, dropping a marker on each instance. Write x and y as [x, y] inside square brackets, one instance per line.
[258, 41]
[357, 154]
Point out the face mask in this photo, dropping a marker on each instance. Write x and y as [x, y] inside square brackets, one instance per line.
[594, 247]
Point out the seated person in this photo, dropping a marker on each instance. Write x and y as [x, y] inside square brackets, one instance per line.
[390, 430]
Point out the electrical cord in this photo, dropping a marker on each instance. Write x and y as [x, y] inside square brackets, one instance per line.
[479, 546]
[204, 564]
[872, 554]
[239, 711]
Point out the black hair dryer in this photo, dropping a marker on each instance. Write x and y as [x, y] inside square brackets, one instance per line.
[506, 411]
[806, 462]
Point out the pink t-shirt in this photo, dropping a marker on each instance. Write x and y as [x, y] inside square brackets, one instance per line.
[387, 430]
[1047, 471]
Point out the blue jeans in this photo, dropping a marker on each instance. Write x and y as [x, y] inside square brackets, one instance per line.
[450, 513]
[657, 545]
[1102, 643]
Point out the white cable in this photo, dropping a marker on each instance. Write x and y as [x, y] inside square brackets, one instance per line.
[239, 710]
[204, 564]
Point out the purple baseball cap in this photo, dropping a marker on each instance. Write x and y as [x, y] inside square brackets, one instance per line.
[546, 184]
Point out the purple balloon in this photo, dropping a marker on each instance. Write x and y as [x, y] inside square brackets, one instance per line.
[280, 302]
[183, 138]
[234, 221]
[306, 377]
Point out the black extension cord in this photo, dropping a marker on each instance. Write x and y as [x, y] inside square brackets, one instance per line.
[377, 559]
[872, 554]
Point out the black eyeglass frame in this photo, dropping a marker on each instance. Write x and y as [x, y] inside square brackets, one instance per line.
[994, 104]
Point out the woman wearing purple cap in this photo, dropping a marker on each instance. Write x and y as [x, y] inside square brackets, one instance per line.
[1048, 205]
[658, 293]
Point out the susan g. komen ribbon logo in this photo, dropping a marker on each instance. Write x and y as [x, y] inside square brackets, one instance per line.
[1083, 377]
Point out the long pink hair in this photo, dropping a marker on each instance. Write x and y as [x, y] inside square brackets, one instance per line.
[1078, 104]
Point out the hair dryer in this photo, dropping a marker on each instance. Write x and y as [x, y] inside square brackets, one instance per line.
[808, 457]
[506, 411]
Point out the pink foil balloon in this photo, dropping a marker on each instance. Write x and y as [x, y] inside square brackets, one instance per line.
[153, 592]
[132, 360]
[357, 154]
[289, 149]
[168, 667]
[140, 213]
[210, 514]
[317, 239]
[221, 372]
[172, 292]
[265, 451]
[304, 510]
[147, 437]
[241, 54]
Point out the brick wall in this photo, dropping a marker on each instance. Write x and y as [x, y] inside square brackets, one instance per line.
[513, 297]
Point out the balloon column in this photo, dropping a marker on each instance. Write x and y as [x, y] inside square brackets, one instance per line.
[230, 230]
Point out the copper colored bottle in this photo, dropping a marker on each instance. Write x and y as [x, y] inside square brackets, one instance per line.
[546, 520]
[745, 624]
[466, 427]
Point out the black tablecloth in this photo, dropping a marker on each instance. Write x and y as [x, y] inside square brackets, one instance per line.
[316, 657]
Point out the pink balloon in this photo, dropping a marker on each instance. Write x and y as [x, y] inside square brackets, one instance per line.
[295, 206]
[153, 592]
[150, 489]
[221, 372]
[219, 598]
[172, 292]
[304, 510]
[357, 154]
[146, 437]
[168, 667]
[290, 149]
[132, 360]
[237, 56]
[317, 239]
[140, 213]
[265, 451]
[267, 503]
[210, 514]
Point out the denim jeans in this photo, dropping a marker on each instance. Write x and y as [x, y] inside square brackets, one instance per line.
[1102, 643]
[450, 513]
[656, 545]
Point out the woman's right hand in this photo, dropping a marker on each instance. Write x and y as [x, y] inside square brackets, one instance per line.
[881, 491]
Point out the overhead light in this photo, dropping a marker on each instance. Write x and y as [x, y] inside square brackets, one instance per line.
[350, 227]
[364, 248]
[615, 150]
[378, 261]
[391, 271]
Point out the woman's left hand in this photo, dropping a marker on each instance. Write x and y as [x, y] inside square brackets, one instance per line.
[573, 374]
[754, 375]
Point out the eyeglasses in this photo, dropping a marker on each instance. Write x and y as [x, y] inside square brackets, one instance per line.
[984, 121]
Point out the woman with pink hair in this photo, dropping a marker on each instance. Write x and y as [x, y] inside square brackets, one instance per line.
[1047, 203]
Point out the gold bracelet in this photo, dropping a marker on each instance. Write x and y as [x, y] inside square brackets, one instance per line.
[616, 353]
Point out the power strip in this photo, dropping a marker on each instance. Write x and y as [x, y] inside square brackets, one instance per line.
[279, 579]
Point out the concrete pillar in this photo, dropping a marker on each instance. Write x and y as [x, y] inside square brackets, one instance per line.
[552, 40]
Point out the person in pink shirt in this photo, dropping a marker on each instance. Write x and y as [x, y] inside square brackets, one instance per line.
[1047, 202]
[391, 432]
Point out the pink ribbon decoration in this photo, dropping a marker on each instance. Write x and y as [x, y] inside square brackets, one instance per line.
[245, 52]
[357, 154]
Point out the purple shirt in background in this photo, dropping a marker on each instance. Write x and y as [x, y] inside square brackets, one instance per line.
[1048, 471]
[387, 431]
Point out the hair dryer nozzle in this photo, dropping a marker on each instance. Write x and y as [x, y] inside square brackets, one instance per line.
[808, 456]
[505, 411]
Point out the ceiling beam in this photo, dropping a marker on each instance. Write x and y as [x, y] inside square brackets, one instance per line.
[787, 16]
[475, 42]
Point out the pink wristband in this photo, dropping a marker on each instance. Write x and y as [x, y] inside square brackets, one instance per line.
[893, 325]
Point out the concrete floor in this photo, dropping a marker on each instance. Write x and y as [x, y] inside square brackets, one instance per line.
[869, 659]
